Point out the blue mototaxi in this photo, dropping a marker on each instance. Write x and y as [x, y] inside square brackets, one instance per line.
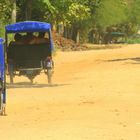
[26, 59]
[2, 78]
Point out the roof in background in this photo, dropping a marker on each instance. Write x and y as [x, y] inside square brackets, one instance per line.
[117, 33]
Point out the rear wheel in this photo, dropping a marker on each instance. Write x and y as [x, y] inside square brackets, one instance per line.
[11, 74]
[11, 78]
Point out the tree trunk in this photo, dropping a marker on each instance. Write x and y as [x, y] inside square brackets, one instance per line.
[14, 11]
[28, 12]
[69, 32]
[65, 32]
[91, 36]
[78, 37]
[54, 27]
[75, 35]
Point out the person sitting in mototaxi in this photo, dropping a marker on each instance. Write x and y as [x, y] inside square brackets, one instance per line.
[17, 38]
[22, 39]
[28, 38]
[40, 39]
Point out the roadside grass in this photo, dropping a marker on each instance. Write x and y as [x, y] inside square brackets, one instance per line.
[101, 46]
[133, 41]
[87, 46]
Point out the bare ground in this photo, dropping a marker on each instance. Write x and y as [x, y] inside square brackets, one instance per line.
[95, 96]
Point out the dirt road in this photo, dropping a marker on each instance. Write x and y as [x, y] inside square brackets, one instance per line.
[95, 96]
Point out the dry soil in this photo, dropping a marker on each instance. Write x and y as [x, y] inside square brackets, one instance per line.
[95, 96]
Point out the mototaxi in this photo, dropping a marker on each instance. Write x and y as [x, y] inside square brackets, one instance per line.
[29, 59]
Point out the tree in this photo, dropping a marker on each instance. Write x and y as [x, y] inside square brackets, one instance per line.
[78, 17]
[134, 11]
[5, 17]
[26, 6]
[28, 11]
[110, 12]
[5, 11]
[13, 16]
[107, 13]
[78, 14]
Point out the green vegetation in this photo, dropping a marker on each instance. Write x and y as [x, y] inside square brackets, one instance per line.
[79, 20]
[134, 39]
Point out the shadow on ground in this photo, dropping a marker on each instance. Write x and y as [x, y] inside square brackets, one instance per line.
[135, 59]
[30, 85]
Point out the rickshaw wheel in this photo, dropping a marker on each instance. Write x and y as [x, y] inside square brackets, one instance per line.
[11, 73]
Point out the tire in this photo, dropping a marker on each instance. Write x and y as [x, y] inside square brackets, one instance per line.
[11, 73]
[11, 79]
[49, 74]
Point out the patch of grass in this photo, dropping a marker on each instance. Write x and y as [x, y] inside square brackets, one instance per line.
[133, 41]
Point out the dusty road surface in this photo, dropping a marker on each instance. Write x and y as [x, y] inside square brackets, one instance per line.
[95, 96]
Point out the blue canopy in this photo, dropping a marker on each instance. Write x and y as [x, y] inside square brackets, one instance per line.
[28, 26]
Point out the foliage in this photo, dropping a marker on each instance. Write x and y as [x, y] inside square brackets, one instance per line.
[78, 12]
[134, 10]
[110, 12]
[5, 10]
[81, 16]
[134, 39]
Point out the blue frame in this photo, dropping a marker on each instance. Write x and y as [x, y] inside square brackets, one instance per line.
[2, 72]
